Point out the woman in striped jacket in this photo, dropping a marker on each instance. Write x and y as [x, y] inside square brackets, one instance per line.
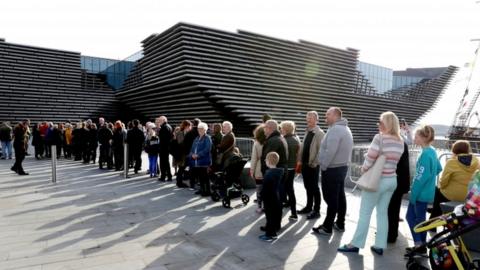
[389, 143]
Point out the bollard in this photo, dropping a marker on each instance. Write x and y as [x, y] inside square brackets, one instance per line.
[125, 160]
[54, 163]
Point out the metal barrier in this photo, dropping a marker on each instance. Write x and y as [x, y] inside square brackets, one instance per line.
[245, 145]
[125, 160]
[54, 163]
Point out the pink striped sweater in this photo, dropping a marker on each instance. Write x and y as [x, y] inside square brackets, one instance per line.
[392, 148]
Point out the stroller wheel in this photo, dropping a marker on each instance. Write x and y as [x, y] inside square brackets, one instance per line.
[215, 196]
[245, 198]
[226, 202]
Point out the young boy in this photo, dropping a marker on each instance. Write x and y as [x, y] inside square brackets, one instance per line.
[271, 198]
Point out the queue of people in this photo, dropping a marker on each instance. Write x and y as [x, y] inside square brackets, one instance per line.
[278, 156]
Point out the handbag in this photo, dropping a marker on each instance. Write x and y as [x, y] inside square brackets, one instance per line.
[370, 180]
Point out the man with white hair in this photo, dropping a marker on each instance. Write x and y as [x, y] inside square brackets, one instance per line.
[227, 144]
[165, 135]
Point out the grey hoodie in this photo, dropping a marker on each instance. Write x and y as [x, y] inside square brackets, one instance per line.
[336, 147]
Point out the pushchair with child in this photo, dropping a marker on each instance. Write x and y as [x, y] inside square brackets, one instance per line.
[226, 184]
[446, 248]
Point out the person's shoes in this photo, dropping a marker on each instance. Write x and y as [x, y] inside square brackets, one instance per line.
[304, 211]
[322, 230]
[23, 173]
[379, 251]
[161, 179]
[313, 215]
[10, 158]
[415, 252]
[263, 228]
[285, 204]
[267, 238]
[293, 217]
[13, 169]
[3, 157]
[182, 185]
[391, 240]
[205, 194]
[169, 179]
[338, 228]
[198, 192]
[346, 248]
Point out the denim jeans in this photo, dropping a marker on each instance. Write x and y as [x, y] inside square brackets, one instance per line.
[7, 149]
[379, 200]
[416, 213]
[152, 164]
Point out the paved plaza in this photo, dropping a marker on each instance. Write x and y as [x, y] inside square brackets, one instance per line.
[96, 219]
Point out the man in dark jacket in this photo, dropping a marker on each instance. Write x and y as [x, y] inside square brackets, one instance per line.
[135, 140]
[274, 143]
[19, 142]
[165, 135]
[227, 144]
[105, 136]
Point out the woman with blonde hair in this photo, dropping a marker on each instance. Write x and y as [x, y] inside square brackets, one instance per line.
[293, 148]
[387, 142]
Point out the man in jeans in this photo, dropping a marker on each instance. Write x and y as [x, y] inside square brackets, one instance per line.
[334, 156]
[6, 139]
[310, 166]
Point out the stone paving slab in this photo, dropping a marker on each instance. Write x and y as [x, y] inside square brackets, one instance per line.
[96, 219]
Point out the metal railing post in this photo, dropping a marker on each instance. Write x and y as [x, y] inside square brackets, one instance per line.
[53, 154]
[125, 160]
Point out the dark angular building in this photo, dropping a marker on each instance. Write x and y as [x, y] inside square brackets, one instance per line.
[191, 71]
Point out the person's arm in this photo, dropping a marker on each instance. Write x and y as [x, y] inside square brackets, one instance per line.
[422, 176]
[372, 153]
[446, 175]
[326, 157]
[254, 159]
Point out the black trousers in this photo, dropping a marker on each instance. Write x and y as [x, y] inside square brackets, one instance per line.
[273, 215]
[393, 215]
[118, 157]
[310, 181]
[137, 157]
[439, 198]
[105, 156]
[200, 174]
[180, 175]
[290, 191]
[333, 189]
[165, 164]
[19, 157]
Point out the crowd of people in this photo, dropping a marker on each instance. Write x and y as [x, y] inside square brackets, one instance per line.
[278, 156]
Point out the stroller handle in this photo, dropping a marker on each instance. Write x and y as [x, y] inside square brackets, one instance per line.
[436, 222]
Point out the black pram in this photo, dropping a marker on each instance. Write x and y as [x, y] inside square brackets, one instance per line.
[226, 184]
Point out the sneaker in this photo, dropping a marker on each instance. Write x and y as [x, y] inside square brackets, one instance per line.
[304, 211]
[376, 250]
[338, 228]
[322, 230]
[313, 215]
[293, 217]
[267, 238]
[347, 248]
[415, 252]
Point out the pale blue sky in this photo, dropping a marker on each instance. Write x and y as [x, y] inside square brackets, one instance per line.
[396, 34]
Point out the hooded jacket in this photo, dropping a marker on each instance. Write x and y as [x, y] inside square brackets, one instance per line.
[336, 147]
[457, 174]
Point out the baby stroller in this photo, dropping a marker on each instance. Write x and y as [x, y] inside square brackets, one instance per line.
[447, 249]
[226, 184]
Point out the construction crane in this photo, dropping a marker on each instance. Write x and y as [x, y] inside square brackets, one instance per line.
[461, 128]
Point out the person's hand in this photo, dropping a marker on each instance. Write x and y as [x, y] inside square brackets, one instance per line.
[298, 168]
[194, 156]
